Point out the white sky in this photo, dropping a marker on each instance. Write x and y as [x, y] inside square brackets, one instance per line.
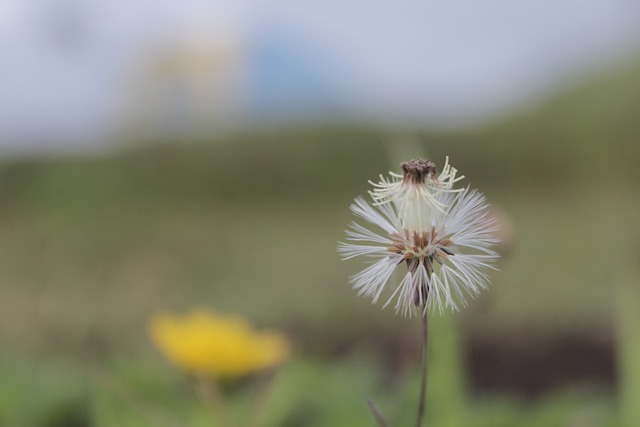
[451, 62]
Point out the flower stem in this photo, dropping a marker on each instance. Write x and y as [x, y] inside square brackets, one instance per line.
[423, 371]
[209, 393]
[376, 414]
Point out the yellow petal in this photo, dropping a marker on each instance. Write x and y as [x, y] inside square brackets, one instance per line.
[207, 343]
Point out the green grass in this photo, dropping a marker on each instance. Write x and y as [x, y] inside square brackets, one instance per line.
[91, 247]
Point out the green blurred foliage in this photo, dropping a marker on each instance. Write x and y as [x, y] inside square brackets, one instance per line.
[248, 224]
[306, 392]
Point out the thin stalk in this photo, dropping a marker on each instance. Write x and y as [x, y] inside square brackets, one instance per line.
[423, 371]
[376, 414]
[209, 393]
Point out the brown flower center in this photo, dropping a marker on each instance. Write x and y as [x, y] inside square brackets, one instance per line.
[421, 248]
[417, 171]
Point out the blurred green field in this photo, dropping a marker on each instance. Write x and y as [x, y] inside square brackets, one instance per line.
[92, 247]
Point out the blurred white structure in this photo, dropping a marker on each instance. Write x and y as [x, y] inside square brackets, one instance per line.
[190, 86]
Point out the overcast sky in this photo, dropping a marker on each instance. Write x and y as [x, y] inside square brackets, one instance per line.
[445, 63]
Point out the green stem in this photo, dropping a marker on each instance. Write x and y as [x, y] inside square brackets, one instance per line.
[209, 393]
[423, 371]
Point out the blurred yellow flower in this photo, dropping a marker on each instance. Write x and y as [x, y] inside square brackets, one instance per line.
[204, 342]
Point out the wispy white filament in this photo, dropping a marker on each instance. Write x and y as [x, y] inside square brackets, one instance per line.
[451, 266]
[415, 203]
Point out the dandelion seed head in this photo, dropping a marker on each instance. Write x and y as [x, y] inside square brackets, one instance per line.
[442, 234]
